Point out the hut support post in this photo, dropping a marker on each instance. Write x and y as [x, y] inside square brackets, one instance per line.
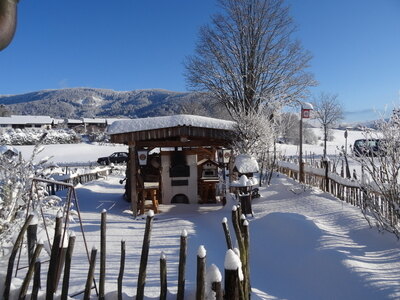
[132, 179]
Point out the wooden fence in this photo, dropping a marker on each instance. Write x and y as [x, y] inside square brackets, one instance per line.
[74, 180]
[348, 190]
[235, 287]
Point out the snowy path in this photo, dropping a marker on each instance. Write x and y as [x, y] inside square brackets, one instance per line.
[314, 246]
[303, 246]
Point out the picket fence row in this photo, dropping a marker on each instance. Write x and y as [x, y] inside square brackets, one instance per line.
[237, 276]
[348, 190]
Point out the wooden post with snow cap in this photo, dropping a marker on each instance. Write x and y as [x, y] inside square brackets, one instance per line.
[103, 228]
[90, 275]
[67, 266]
[227, 233]
[182, 265]
[11, 260]
[121, 270]
[231, 265]
[144, 257]
[214, 276]
[201, 273]
[163, 276]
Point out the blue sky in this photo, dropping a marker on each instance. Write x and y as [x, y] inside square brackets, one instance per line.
[133, 44]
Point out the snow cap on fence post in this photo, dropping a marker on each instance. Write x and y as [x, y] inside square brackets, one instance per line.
[224, 220]
[232, 261]
[163, 256]
[59, 214]
[201, 252]
[184, 233]
[213, 274]
[150, 213]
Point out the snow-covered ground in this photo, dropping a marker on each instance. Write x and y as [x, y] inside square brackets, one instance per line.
[305, 245]
[73, 153]
[333, 146]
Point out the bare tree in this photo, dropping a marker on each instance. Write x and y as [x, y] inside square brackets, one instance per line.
[328, 111]
[246, 58]
[381, 173]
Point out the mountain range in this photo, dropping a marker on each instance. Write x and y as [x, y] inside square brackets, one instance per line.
[93, 102]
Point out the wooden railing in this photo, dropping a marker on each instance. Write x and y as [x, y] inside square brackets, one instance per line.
[348, 190]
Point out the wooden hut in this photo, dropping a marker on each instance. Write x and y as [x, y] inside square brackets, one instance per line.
[170, 148]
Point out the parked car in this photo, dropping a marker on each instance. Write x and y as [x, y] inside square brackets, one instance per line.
[369, 147]
[115, 158]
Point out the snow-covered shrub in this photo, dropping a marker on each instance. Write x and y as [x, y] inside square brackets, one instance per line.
[31, 136]
[98, 137]
[381, 175]
[15, 190]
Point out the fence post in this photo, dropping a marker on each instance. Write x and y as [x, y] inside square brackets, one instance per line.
[36, 280]
[231, 265]
[31, 238]
[227, 233]
[54, 256]
[182, 265]
[89, 280]
[144, 257]
[163, 277]
[67, 266]
[246, 263]
[326, 165]
[28, 277]
[121, 270]
[103, 229]
[11, 260]
[215, 278]
[201, 273]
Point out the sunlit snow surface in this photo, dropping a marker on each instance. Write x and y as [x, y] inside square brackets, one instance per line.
[305, 245]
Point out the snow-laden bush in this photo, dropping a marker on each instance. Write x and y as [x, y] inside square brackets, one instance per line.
[16, 176]
[31, 136]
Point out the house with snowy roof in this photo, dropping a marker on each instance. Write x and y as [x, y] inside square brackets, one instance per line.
[20, 121]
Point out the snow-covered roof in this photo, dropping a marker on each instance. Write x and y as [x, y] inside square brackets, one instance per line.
[21, 120]
[94, 121]
[74, 121]
[109, 121]
[5, 148]
[246, 164]
[307, 105]
[135, 125]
